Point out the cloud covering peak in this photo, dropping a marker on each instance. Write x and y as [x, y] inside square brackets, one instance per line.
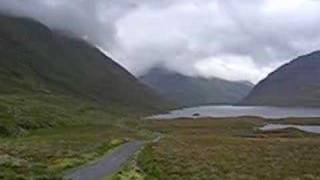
[231, 39]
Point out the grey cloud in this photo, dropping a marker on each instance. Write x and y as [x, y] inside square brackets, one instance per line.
[189, 36]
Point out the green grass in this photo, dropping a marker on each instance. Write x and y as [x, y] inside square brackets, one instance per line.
[35, 59]
[49, 153]
[130, 171]
[229, 149]
[190, 149]
[43, 136]
[24, 112]
[62, 102]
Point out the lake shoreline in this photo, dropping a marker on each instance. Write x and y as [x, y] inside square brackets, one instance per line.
[227, 111]
[227, 148]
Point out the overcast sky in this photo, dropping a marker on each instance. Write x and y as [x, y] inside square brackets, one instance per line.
[231, 39]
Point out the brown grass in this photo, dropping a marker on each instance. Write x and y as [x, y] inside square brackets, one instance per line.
[230, 149]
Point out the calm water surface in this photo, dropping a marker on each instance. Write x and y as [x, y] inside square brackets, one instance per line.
[310, 129]
[236, 111]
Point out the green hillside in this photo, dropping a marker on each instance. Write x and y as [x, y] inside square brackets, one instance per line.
[294, 84]
[48, 79]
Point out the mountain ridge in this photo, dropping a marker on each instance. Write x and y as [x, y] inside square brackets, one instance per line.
[296, 83]
[194, 91]
[36, 59]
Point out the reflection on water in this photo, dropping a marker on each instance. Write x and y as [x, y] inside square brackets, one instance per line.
[272, 127]
[236, 111]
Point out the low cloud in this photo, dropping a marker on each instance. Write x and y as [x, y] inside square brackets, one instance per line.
[231, 39]
[233, 68]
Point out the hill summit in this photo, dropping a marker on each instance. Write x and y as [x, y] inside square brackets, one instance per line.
[35, 59]
[294, 84]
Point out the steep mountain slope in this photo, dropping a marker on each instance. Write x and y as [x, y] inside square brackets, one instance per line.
[294, 84]
[191, 91]
[35, 59]
[49, 80]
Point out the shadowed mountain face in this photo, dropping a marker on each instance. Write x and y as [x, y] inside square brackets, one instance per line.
[294, 84]
[192, 91]
[34, 59]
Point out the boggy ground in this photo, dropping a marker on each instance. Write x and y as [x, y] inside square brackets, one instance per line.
[47, 154]
[45, 136]
[231, 148]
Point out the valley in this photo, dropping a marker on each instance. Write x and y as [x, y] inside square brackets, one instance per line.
[187, 91]
[70, 110]
[228, 148]
[205, 148]
[63, 103]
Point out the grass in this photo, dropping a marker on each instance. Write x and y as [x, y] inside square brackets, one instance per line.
[49, 153]
[21, 113]
[229, 149]
[44, 135]
[131, 171]
[62, 102]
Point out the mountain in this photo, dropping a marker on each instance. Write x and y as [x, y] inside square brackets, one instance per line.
[35, 60]
[192, 91]
[294, 84]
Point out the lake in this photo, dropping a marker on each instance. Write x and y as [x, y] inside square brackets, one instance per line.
[272, 127]
[236, 111]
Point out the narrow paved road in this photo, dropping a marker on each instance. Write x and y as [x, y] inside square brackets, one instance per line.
[108, 165]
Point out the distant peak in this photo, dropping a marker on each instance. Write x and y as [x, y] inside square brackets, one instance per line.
[248, 83]
[160, 70]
